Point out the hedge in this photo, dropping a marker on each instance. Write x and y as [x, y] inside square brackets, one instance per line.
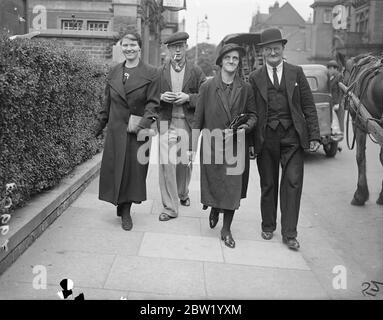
[49, 100]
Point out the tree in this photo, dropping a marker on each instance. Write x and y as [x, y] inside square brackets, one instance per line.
[206, 57]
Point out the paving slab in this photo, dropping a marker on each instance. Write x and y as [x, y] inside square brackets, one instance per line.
[85, 269]
[179, 225]
[134, 295]
[14, 290]
[225, 281]
[181, 247]
[82, 239]
[265, 254]
[162, 276]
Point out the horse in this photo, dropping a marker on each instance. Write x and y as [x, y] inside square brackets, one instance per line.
[363, 75]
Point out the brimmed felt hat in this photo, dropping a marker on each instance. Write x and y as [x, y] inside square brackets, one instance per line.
[226, 49]
[271, 35]
[177, 37]
[332, 63]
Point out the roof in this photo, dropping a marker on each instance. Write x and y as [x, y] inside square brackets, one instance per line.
[285, 15]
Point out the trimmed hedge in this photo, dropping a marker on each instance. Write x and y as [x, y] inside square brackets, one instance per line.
[49, 100]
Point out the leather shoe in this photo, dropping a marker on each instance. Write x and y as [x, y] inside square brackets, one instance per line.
[267, 235]
[213, 217]
[292, 243]
[165, 217]
[228, 239]
[126, 219]
[185, 202]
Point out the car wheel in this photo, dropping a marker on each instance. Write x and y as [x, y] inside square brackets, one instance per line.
[330, 149]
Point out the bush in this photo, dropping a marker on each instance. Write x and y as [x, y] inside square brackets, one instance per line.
[49, 100]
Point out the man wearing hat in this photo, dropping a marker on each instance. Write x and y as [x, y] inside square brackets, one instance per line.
[180, 81]
[222, 99]
[287, 124]
[338, 110]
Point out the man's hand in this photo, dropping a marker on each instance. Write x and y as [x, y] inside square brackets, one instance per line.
[182, 97]
[314, 145]
[336, 107]
[168, 96]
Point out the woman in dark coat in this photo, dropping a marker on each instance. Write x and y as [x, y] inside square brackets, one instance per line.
[221, 100]
[132, 88]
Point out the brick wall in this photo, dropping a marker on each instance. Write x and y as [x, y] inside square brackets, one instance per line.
[97, 46]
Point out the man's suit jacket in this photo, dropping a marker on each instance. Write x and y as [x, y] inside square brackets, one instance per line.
[300, 100]
[193, 78]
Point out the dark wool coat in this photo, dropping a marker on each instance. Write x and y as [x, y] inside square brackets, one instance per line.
[140, 97]
[193, 78]
[214, 111]
[301, 104]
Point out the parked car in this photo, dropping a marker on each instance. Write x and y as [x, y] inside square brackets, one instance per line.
[318, 78]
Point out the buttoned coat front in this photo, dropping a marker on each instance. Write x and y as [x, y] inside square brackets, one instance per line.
[141, 99]
[300, 101]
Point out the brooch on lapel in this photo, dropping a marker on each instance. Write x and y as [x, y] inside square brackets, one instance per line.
[126, 75]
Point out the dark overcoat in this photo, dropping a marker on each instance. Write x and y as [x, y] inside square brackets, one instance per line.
[215, 112]
[300, 100]
[142, 99]
[193, 78]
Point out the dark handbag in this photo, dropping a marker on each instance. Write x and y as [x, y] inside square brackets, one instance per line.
[238, 120]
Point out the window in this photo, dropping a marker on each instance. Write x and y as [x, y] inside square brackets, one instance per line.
[71, 24]
[313, 83]
[327, 16]
[97, 25]
[362, 21]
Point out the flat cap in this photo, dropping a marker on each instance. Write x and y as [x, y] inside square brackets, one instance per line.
[228, 48]
[177, 37]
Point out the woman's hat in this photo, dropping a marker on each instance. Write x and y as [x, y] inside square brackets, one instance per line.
[226, 49]
[270, 36]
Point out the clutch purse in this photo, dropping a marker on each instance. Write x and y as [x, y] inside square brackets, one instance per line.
[133, 123]
[238, 120]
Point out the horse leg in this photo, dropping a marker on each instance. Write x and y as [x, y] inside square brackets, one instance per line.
[380, 199]
[361, 194]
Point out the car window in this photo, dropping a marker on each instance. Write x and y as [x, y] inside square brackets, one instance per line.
[313, 82]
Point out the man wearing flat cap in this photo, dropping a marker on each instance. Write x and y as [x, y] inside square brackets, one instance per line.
[180, 81]
[225, 108]
[337, 109]
[287, 124]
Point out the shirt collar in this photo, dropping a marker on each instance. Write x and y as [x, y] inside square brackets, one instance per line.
[279, 67]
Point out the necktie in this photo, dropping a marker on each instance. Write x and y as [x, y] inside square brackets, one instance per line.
[275, 77]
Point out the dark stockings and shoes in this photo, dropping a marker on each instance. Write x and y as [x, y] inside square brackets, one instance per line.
[225, 231]
[123, 210]
[213, 217]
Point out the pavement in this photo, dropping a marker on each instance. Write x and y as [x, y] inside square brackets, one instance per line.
[182, 258]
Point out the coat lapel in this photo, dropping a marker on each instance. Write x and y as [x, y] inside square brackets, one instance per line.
[187, 76]
[262, 82]
[167, 76]
[237, 88]
[141, 78]
[222, 101]
[290, 80]
[116, 81]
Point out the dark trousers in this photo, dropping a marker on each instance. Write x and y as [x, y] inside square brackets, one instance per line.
[281, 148]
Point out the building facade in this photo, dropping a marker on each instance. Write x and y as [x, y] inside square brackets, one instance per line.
[95, 26]
[294, 28]
[362, 31]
